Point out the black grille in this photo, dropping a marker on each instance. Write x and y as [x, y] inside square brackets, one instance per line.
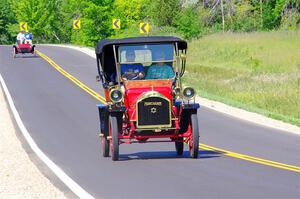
[24, 50]
[153, 111]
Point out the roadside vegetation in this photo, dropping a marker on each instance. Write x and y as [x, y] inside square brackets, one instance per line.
[259, 72]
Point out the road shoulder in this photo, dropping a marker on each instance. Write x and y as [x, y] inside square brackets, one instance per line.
[19, 176]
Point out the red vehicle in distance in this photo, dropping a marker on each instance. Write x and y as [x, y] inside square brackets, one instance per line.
[145, 98]
[23, 48]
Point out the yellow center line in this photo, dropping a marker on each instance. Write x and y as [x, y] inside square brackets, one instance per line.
[72, 78]
[251, 158]
[203, 146]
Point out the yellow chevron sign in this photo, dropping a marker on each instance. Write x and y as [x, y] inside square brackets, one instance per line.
[116, 24]
[23, 26]
[144, 28]
[76, 24]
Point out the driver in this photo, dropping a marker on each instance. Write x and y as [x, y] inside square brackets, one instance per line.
[28, 37]
[132, 71]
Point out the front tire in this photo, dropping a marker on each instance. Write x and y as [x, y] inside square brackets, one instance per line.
[179, 146]
[114, 132]
[194, 139]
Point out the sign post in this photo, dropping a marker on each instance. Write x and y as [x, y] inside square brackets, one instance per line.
[76, 27]
[116, 25]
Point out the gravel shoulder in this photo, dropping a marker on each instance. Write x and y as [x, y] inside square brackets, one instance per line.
[19, 176]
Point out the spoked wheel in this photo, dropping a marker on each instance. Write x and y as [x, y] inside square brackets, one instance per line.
[105, 146]
[179, 146]
[114, 132]
[194, 139]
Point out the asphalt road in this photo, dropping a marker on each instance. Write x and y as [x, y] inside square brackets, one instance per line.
[63, 121]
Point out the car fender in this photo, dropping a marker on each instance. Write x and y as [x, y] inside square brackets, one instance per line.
[185, 111]
[103, 116]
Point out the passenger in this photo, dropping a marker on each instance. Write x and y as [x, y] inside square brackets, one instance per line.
[20, 38]
[131, 70]
[160, 70]
[28, 37]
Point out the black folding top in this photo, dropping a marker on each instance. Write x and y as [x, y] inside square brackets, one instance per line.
[137, 40]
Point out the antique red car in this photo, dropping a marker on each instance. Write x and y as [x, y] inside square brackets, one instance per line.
[23, 48]
[146, 101]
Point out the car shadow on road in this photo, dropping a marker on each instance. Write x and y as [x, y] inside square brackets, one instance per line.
[167, 155]
[27, 56]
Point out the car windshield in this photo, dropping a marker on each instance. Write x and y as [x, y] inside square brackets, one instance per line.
[155, 61]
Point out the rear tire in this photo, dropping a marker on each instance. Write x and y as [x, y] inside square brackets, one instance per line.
[194, 140]
[114, 132]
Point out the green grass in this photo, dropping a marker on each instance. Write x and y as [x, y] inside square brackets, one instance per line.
[258, 72]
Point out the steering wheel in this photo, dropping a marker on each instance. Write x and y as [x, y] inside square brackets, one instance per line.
[133, 75]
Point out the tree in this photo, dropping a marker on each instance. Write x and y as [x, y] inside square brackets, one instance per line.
[129, 11]
[188, 23]
[163, 12]
[43, 18]
[290, 15]
[96, 24]
[246, 16]
[95, 16]
[6, 19]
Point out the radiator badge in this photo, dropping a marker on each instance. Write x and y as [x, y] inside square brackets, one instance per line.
[153, 110]
[152, 103]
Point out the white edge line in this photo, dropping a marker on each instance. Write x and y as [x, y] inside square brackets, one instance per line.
[69, 182]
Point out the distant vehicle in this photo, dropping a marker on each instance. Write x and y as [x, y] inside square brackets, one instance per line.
[146, 101]
[24, 48]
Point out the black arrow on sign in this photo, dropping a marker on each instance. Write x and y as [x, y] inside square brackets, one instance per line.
[76, 24]
[23, 26]
[116, 23]
[143, 28]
